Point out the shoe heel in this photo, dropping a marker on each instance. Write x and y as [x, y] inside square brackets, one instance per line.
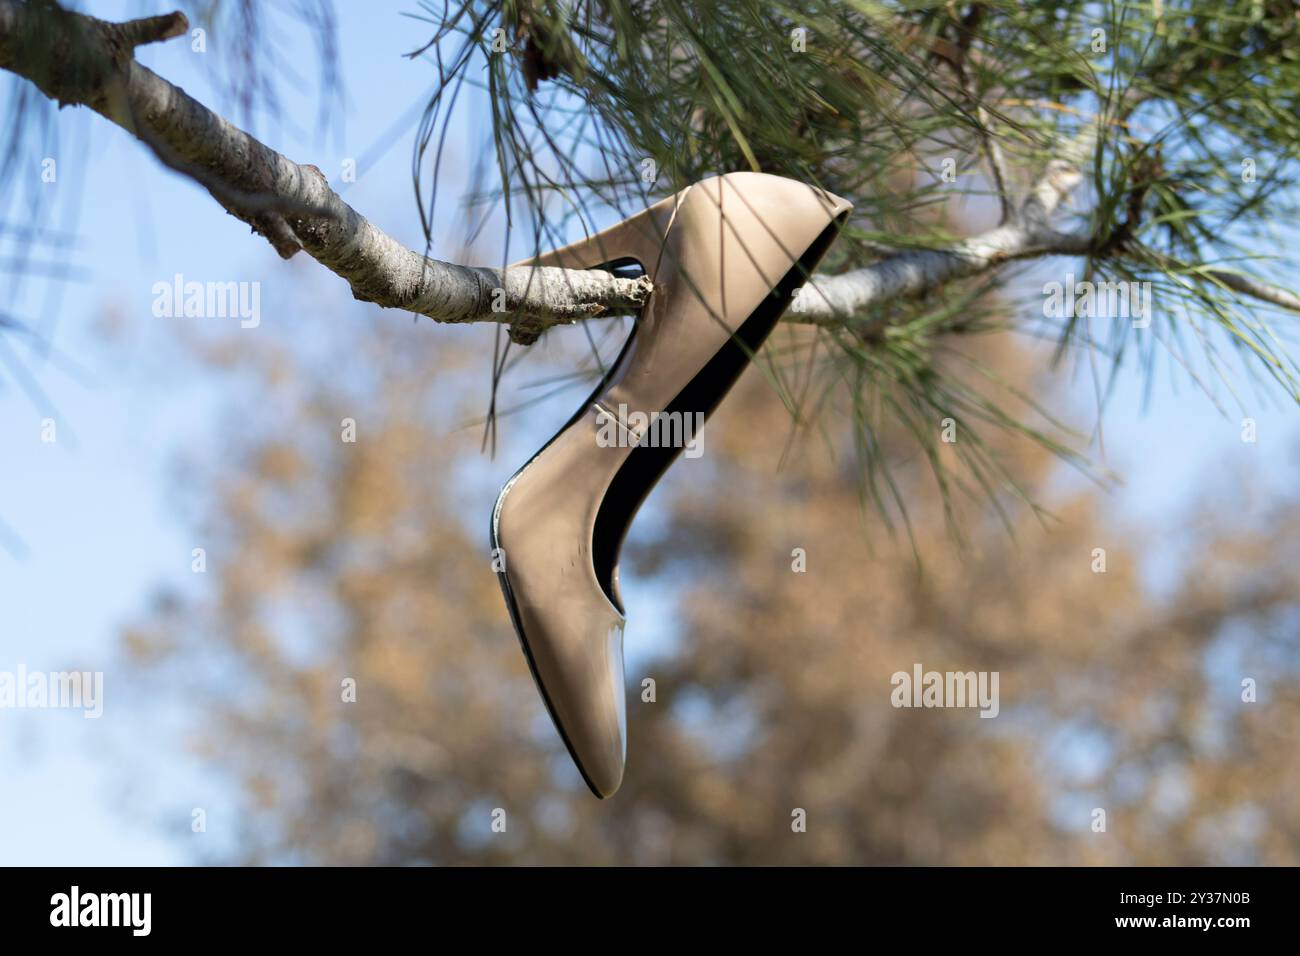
[639, 239]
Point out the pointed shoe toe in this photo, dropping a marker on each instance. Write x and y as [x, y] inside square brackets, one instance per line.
[577, 660]
[583, 677]
[570, 631]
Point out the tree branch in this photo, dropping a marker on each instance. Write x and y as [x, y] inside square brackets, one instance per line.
[1236, 281]
[913, 272]
[77, 59]
[910, 273]
[153, 29]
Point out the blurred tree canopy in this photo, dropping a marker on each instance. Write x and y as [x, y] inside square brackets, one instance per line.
[330, 560]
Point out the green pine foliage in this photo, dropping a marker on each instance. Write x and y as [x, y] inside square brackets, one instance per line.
[1187, 110]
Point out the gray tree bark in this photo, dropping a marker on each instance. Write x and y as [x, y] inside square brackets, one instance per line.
[77, 59]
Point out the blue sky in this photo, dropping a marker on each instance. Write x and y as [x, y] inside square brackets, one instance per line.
[95, 510]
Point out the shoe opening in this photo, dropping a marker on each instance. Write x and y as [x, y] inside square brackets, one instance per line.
[624, 268]
[645, 465]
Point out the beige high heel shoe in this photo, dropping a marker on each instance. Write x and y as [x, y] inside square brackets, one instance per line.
[725, 255]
